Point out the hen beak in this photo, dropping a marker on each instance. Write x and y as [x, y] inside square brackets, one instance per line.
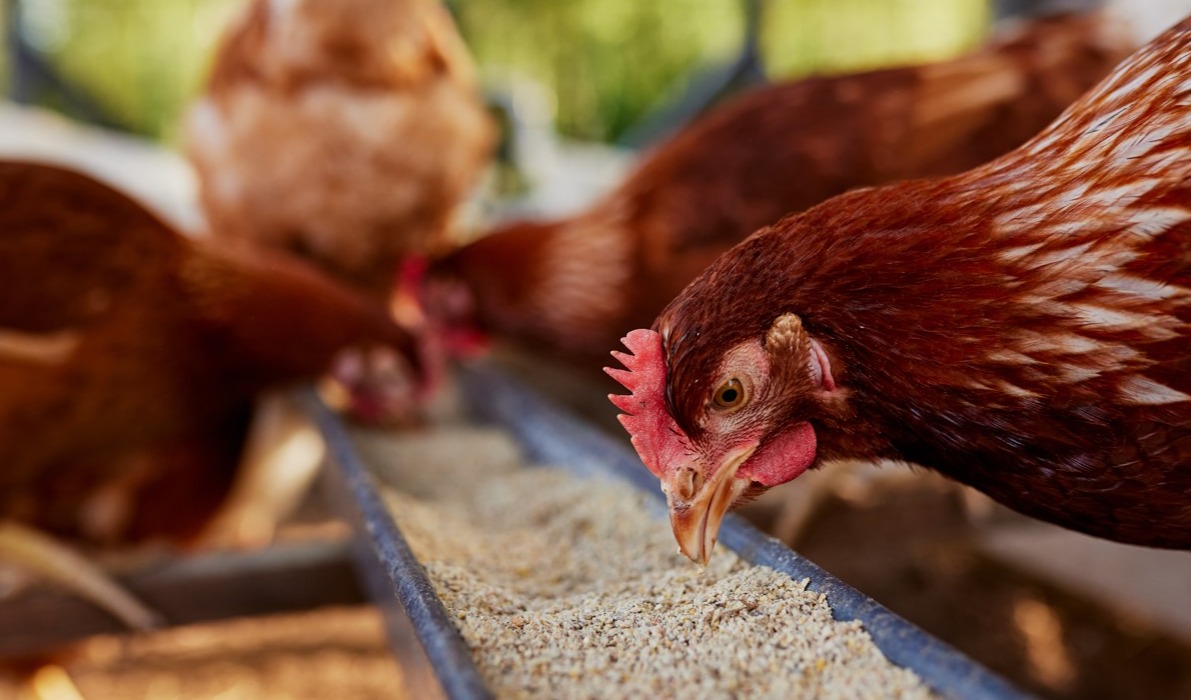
[696, 521]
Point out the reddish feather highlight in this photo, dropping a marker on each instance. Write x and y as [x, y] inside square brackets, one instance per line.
[663, 446]
[1022, 328]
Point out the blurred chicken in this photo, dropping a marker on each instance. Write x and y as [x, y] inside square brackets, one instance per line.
[130, 358]
[576, 285]
[345, 131]
[1021, 328]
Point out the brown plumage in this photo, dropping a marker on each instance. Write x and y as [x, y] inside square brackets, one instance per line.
[346, 131]
[576, 285]
[130, 357]
[1021, 328]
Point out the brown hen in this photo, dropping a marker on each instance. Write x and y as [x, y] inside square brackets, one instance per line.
[1021, 328]
[576, 285]
[130, 357]
[347, 132]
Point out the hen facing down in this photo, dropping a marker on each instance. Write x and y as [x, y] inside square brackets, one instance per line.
[576, 285]
[130, 357]
[346, 132]
[1021, 328]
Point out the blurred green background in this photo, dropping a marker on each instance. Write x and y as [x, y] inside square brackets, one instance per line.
[607, 63]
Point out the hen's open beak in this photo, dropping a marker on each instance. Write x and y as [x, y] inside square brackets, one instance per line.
[696, 520]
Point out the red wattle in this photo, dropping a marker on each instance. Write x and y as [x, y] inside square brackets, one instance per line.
[783, 457]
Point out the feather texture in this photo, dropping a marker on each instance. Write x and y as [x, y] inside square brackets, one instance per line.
[1021, 327]
[577, 285]
[347, 132]
[130, 357]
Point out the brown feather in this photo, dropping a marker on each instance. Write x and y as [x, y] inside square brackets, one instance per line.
[1021, 328]
[346, 132]
[134, 428]
[578, 284]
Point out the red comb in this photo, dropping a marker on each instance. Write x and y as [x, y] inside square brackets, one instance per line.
[411, 272]
[659, 441]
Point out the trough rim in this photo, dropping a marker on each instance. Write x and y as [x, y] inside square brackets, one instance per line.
[551, 434]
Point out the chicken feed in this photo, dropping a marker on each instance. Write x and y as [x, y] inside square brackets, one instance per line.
[568, 588]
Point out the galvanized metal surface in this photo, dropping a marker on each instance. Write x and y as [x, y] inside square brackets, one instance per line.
[435, 661]
[549, 434]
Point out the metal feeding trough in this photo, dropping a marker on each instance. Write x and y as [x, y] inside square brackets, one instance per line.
[434, 657]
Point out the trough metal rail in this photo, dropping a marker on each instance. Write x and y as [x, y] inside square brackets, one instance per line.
[432, 651]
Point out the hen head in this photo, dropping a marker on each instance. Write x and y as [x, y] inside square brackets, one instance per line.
[377, 386]
[436, 301]
[499, 283]
[1020, 327]
[723, 434]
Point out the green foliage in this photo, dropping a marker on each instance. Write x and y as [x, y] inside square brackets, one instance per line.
[607, 62]
[141, 60]
[811, 36]
[4, 68]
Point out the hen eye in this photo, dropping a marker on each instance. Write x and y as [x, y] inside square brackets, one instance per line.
[731, 394]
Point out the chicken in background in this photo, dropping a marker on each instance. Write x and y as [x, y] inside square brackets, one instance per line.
[1021, 328]
[130, 358]
[574, 286]
[347, 132]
